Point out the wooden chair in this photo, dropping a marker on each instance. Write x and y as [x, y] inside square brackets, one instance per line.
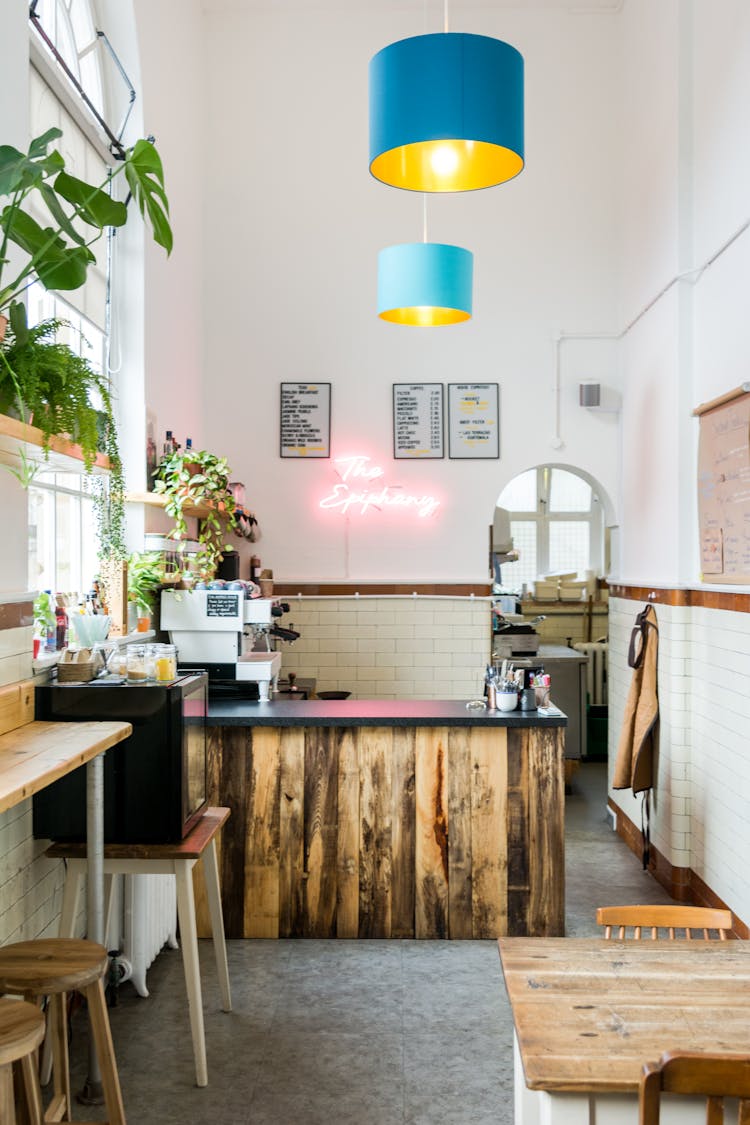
[53, 967]
[671, 918]
[21, 1031]
[689, 1072]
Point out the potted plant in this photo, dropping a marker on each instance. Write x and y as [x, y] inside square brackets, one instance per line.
[52, 385]
[44, 620]
[145, 577]
[59, 255]
[195, 478]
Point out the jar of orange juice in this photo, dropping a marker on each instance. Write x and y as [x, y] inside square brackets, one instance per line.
[165, 663]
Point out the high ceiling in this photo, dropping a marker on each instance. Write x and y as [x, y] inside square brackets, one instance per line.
[572, 6]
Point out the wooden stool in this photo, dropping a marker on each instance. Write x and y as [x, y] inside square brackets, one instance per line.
[166, 859]
[51, 967]
[21, 1031]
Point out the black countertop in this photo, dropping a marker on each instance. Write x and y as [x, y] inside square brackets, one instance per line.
[372, 713]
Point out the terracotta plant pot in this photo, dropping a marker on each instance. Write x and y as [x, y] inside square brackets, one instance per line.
[3, 326]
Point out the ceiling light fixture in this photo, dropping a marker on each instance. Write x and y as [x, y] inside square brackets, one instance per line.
[425, 284]
[446, 113]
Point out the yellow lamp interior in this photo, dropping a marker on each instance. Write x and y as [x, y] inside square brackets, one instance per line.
[446, 165]
[425, 316]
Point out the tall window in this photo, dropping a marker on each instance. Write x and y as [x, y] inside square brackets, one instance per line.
[62, 534]
[556, 525]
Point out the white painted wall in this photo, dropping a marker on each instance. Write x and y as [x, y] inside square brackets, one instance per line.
[293, 224]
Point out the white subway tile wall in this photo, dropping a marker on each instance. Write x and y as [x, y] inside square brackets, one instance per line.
[30, 885]
[700, 812]
[391, 647]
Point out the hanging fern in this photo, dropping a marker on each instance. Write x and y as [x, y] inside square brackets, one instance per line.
[51, 386]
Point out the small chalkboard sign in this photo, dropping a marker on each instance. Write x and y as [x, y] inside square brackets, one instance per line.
[305, 420]
[222, 605]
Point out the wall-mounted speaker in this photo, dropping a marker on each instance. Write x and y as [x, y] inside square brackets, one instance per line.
[589, 394]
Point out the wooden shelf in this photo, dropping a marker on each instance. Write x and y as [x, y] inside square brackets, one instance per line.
[15, 434]
[157, 500]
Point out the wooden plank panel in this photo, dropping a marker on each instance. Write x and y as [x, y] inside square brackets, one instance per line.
[292, 832]
[321, 812]
[402, 833]
[431, 846]
[262, 841]
[459, 788]
[489, 843]
[519, 840]
[546, 906]
[234, 786]
[375, 803]
[347, 841]
[16, 705]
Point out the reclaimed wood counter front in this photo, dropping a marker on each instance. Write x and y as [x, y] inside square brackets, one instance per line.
[384, 819]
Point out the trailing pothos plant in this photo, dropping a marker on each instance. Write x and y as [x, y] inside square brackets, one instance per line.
[190, 478]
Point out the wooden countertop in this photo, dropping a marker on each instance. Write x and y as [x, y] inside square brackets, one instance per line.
[588, 1013]
[36, 754]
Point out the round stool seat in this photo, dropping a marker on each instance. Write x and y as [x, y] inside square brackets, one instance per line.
[21, 1030]
[51, 965]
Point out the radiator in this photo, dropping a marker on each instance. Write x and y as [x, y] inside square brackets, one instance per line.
[596, 670]
[143, 920]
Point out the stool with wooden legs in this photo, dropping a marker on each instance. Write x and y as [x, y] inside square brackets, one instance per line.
[21, 1031]
[52, 967]
[176, 859]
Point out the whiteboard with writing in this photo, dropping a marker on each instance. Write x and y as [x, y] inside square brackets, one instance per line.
[305, 420]
[417, 420]
[473, 420]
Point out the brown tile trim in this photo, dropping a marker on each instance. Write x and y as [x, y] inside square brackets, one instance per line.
[709, 599]
[16, 615]
[381, 589]
[681, 883]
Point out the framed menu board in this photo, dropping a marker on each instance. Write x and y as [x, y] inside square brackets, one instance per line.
[724, 487]
[473, 420]
[417, 420]
[305, 420]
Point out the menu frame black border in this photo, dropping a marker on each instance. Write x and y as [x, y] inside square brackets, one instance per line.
[480, 456]
[310, 456]
[428, 456]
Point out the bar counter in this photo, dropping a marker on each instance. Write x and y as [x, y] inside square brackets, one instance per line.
[388, 818]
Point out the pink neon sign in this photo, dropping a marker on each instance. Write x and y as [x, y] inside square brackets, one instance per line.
[361, 487]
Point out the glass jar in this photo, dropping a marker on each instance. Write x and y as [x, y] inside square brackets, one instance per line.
[165, 663]
[136, 664]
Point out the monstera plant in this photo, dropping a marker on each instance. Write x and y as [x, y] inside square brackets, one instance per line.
[57, 252]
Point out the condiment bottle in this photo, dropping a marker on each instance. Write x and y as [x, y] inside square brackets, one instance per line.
[165, 663]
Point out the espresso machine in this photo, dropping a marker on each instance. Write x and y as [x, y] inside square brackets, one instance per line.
[229, 634]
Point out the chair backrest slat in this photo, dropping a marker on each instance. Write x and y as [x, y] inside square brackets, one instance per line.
[674, 919]
[696, 1073]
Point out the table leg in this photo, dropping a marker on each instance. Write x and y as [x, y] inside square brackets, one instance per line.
[93, 1092]
[213, 895]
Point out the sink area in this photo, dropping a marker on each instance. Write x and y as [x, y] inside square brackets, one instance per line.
[259, 666]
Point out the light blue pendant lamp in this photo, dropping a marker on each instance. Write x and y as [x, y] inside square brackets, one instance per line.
[425, 284]
[446, 113]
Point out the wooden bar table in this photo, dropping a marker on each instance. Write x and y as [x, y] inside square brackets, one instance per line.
[588, 1013]
[32, 756]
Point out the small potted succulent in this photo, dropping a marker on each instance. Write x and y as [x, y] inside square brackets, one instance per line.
[190, 479]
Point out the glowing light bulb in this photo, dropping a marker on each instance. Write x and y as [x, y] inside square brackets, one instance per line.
[444, 160]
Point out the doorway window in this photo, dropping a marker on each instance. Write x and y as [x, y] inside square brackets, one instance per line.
[556, 525]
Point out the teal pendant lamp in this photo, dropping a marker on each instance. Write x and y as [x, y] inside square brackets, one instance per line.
[446, 113]
[425, 284]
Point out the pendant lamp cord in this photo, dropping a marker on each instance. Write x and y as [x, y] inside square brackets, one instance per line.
[445, 16]
[424, 216]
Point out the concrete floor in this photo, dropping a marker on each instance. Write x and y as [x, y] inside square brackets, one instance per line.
[339, 1032]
